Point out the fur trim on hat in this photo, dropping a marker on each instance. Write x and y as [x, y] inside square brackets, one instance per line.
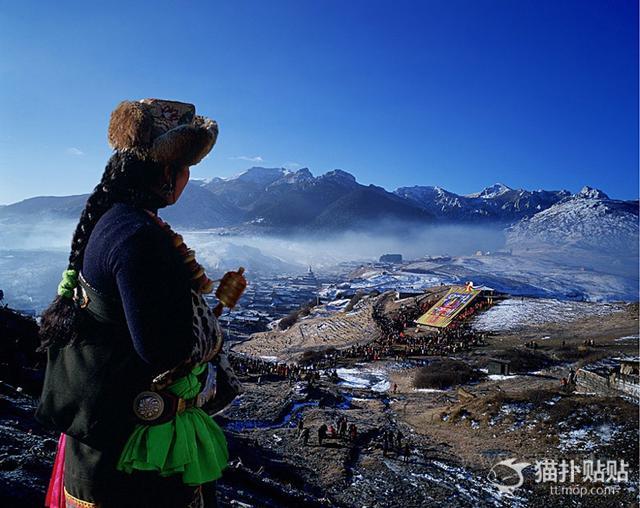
[185, 145]
[130, 126]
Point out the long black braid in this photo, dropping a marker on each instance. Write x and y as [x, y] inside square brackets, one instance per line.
[127, 179]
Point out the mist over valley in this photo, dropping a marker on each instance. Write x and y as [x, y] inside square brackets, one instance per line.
[278, 222]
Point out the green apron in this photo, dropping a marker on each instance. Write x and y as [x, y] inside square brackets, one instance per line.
[191, 445]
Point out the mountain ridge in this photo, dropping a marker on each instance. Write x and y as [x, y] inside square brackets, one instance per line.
[281, 200]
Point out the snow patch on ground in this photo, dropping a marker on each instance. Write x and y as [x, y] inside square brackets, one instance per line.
[500, 377]
[516, 313]
[517, 408]
[587, 438]
[328, 309]
[375, 380]
[628, 338]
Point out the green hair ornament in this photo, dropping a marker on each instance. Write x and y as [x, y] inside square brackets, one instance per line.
[68, 283]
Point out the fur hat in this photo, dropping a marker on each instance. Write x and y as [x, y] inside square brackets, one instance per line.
[162, 131]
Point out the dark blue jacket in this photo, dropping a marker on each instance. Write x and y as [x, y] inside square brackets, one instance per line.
[130, 257]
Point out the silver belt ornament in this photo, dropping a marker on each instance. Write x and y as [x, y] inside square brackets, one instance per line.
[148, 406]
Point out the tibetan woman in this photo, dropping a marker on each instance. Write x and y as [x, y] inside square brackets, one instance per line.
[135, 364]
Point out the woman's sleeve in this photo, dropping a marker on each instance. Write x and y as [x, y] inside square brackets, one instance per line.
[156, 298]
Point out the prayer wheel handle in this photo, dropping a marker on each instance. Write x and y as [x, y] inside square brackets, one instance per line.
[231, 287]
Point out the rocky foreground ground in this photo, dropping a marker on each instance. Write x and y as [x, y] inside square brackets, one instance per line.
[456, 435]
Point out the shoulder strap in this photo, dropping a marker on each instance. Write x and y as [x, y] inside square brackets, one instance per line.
[101, 307]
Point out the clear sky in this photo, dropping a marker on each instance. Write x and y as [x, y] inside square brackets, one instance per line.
[460, 94]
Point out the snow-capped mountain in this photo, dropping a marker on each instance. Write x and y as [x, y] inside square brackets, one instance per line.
[300, 177]
[243, 189]
[434, 199]
[497, 203]
[585, 225]
[256, 175]
[588, 192]
[297, 200]
[494, 191]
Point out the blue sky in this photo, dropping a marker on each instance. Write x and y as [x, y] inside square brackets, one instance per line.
[460, 94]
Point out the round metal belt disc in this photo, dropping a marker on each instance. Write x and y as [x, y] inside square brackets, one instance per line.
[148, 406]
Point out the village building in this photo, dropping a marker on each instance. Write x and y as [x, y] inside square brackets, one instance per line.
[499, 367]
[391, 258]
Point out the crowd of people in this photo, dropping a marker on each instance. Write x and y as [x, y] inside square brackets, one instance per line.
[391, 442]
[399, 340]
[341, 429]
[444, 342]
[246, 365]
[394, 442]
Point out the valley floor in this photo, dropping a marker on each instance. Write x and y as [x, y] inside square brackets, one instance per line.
[455, 436]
